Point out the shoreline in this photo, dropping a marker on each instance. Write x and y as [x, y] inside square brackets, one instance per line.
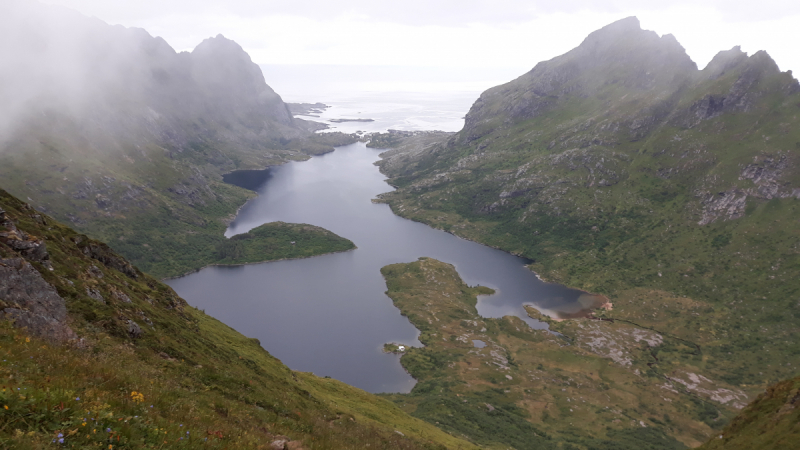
[607, 304]
[164, 280]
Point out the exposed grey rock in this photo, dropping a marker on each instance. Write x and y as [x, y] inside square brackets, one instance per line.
[767, 175]
[278, 444]
[95, 272]
[728, 205]
[95, 294]
[32, 303]
[29, 247]
[121, 296]
[134, 331]
[101, 252]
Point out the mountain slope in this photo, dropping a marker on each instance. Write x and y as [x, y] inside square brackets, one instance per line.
[500, 382]
[772, 421]
[112, 130]
[621, 169]
[103, 354]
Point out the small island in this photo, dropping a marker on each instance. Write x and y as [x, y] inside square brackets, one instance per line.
[279, 240]
[307, 109]
[351, 120]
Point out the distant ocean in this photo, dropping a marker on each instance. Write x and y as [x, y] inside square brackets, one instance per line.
[400, 98]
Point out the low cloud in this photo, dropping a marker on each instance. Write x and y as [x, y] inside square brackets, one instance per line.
[423, 12]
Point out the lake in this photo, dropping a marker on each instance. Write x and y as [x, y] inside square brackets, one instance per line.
[329, 314]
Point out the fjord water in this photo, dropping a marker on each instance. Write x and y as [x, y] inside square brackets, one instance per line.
[329, 314]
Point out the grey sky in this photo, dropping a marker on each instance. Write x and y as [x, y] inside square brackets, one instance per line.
[452, 33]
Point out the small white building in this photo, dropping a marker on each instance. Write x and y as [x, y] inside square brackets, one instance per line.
[401, 348]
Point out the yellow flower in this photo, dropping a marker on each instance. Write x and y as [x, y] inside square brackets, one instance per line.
[83, 424]
[5, 406]
[27, 339]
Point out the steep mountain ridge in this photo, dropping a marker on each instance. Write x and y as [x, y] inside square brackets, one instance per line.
[674, 193]
[620, 55]
[771, 421]
[112, 130]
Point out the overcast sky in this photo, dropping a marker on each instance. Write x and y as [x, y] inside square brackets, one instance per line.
[451, 33]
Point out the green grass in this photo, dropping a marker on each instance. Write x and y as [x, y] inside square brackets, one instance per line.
[640, 230]
[770, 422]
[531, 389]
[194, 373]
[164, 208]
[605, 188]
[280, 240]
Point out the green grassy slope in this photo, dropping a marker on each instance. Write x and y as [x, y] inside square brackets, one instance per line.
[165, 211]
[772, 421]
[152, 372]
[640, 192]
[672, 191]
[596, 385]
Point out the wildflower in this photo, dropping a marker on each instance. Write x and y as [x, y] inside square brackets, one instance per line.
[137, 397]
[5, 406]
[77, 399]
[27, 339]
[108, 430]
[61, 441]
[83, 424]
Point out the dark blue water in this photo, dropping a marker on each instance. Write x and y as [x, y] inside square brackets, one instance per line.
[329, 314]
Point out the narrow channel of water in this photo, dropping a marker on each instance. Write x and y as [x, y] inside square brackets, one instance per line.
[329, 314]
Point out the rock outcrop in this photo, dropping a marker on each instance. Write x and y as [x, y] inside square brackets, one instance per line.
[32, 303]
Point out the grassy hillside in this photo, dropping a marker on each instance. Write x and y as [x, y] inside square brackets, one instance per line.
[111, 130]
[772, 421]
[128, 364]
[597, 384]
[671, 190]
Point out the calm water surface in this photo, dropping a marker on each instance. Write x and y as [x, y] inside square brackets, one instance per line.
[329, 314]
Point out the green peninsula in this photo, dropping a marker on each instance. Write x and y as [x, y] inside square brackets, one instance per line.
[598, 384]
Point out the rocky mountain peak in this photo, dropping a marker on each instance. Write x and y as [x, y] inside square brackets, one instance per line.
[621, 29]
[224, 69]
[619, 60]
[724, 61]
[625, 42]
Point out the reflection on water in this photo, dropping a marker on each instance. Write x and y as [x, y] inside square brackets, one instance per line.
[330, 314]
[248, 179]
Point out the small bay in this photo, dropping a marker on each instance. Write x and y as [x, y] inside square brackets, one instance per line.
[329, 314]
